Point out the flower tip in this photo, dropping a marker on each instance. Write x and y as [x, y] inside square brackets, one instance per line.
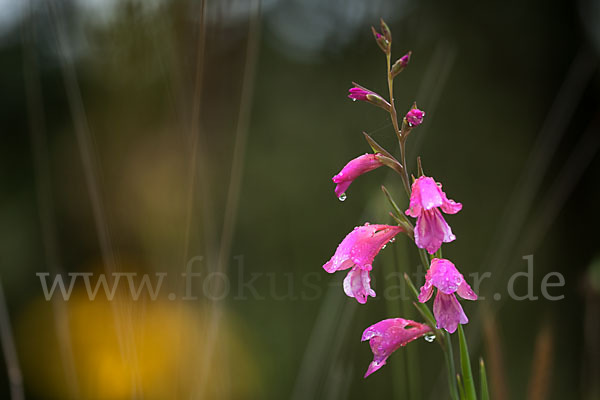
[404, 60]
[374, 366]
[328, 266]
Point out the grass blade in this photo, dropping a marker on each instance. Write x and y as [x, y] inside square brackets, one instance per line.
[483, 381]
[449, 355]
[465, 365]
[461, 388]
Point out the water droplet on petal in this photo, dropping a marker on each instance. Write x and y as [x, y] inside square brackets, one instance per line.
[392, 240]
[429, 338]
[353, 99]
[384, 246]
[342, 197]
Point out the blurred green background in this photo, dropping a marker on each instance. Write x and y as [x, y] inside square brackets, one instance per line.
[139, 135]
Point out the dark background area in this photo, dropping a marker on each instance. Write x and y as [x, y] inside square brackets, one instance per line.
[213, 129]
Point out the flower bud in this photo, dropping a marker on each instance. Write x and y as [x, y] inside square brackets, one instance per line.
[360, 93]
[385, 30]
[414, 117]
[382, 42]
[400, 64]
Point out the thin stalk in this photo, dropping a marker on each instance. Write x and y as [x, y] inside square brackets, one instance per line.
[465, 364]
[461, 387]
[393, 114]
[449, 355]
[424, 259]
[483, 381]
[394, 117]
[405, 170]
[411, 353]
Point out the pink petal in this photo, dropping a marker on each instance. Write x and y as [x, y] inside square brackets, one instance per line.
[426, 290]
[450, 206]
[357, 285]
[429, 192]
[431, 230]
[341, 188]
[369, 245]
[465, 291]
[448, 312]
[388, 335]
[352, 170]
[444, 275]
[357, 93]
[361, 246]
[425, 195]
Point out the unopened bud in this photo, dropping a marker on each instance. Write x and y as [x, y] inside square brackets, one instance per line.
[381, 40]
[400, 64]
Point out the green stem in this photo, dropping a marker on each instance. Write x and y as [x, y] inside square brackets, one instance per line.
[449, 355]
[424, 259]
[483, 378]
[465, 365]
[394, 117]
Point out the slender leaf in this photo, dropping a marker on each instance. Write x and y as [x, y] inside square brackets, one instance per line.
[392, 163]
[377, 148]
[465, 365]
[392, 202]
[483, 378]
[449, 355]
[426, 314]
[461, 388]
[424, 259]
[407, 229]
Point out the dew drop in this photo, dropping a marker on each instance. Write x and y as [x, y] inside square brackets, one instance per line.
[384, 246]
[429, 338]
[342, 197]
[392, 240]
[353, 99]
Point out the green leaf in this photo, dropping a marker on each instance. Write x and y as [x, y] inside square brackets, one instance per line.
[424, 259]
[420, 167]
[426, 314]
[422, 308]
[483, 378]
[465, 365]
[377, 148]
[461, 388]
[392, 202]
[392, 163]
[449, 356]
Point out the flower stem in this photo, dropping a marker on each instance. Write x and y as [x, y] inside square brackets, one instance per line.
[394, 117]
[449, 355]
[465, 364]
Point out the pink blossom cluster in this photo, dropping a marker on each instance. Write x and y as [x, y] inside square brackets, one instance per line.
[427, 204]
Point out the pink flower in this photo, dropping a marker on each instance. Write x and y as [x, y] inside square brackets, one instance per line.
[389, 335]
[352, 170]
[358, 93]
[357, 251]
[415, 117]
[447, 310]
[425, 200]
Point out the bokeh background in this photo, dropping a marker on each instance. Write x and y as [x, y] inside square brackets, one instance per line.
[139, 135]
